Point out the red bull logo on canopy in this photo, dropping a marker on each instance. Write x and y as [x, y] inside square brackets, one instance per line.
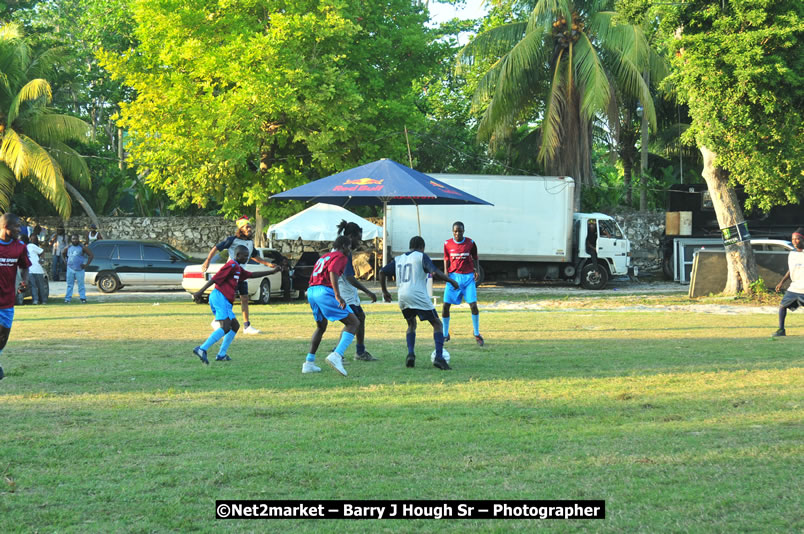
[360, 184]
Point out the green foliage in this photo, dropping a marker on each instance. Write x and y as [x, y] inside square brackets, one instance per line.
[34, 138]
[567, 56]
[739, 65]
[236, 101]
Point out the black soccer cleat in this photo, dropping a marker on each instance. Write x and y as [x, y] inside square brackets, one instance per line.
[410, 361]
[779, 333]
[1, 373]
[442, 364]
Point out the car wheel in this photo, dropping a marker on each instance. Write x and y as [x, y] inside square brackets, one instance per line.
[265, 292]
[108, 282]
[594, 276]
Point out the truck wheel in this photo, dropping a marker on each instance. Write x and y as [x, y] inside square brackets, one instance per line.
[108, 283]
[265, 292]
[594, 276]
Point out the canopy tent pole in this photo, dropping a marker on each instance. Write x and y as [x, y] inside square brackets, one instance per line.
[384, 231]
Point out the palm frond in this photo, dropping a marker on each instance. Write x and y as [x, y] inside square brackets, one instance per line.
[72, 164]
[486, 85]
[591, 78]
[551, 124]
[30, 91]
[549, 10]
[7, 184]
[10, 31]
[45, 174]
[491, 43]
[12, 153]
[520, 72]
[48, 128]
[44, 64]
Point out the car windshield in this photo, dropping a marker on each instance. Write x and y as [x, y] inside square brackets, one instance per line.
[178, 253]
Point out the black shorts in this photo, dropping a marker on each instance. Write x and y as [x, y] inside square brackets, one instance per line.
[792, 301]
[358, 311]
[423, 315]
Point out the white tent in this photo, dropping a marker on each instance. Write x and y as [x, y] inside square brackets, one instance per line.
[320, 223]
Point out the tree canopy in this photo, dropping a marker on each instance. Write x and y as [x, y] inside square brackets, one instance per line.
[739, 65]
[238, 100]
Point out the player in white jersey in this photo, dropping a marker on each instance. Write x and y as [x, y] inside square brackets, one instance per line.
[411, 270]
[794, 296]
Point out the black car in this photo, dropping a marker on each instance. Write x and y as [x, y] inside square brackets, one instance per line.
[119, 263]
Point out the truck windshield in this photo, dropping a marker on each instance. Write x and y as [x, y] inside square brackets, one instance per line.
[609, 228]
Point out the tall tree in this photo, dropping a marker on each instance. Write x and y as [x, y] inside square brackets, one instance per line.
[565, 60]
[238, 100]
[34, 138]
[739, 65]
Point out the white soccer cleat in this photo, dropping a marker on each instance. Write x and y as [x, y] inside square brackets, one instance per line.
[251, 330]
[335, 361]
[215, 324]
[310, 367]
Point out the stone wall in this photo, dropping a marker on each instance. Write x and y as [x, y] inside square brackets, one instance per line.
[645, 230]
[196, 235]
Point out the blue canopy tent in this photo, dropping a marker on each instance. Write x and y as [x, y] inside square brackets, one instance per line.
[381, 182]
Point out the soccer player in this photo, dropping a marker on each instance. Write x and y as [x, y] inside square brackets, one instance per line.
[328, 305]
[13, 255]
[463, 266]
[794, 296]
[244, 236]
[220, 300]
[348, 286]
[411, 271]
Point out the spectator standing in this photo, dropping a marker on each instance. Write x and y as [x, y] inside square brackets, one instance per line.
[36, 272]
[77, 256]
[93, 234]
[58, 242]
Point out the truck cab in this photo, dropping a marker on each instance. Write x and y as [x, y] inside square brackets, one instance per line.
[612, 247]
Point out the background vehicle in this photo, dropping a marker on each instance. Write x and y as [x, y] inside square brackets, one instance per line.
[121, 263]
[531, 231]
[259, 289]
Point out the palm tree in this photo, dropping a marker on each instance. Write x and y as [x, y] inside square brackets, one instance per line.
[34, 137]
[563, 64]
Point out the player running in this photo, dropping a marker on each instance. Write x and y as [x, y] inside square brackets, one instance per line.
[411, 271]
[463, 266]
[220, 300]
[328, 305]
[13, 255]
[794, 296]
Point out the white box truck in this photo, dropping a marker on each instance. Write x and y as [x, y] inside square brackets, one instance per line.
[531, 231]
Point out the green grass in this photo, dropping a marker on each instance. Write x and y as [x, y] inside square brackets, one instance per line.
[682, 422]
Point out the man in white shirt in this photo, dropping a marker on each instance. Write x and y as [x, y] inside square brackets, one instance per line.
[794, 296]
[36, 273]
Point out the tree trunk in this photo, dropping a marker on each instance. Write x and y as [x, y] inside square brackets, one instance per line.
[120, 155]
[643, 162]
[259, 234]
[83, 202]
[742, 267]
[627, 168]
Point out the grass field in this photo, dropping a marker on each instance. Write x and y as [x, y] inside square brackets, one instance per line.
[681, 421]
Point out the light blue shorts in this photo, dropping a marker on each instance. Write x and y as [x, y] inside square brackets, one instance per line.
[322, 302]
[6, 317]
[221, 308]
[467, 289]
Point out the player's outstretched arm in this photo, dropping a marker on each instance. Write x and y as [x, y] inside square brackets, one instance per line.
[198, 295]
[333, 279]
[260, 274]
[205, 265]
[386, 296]
[359, 285]
[438, 275]
[784, 279]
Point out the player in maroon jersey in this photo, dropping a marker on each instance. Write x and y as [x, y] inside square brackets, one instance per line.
[462, 265]
[13, 256]
[226, 280]
[325, 300]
